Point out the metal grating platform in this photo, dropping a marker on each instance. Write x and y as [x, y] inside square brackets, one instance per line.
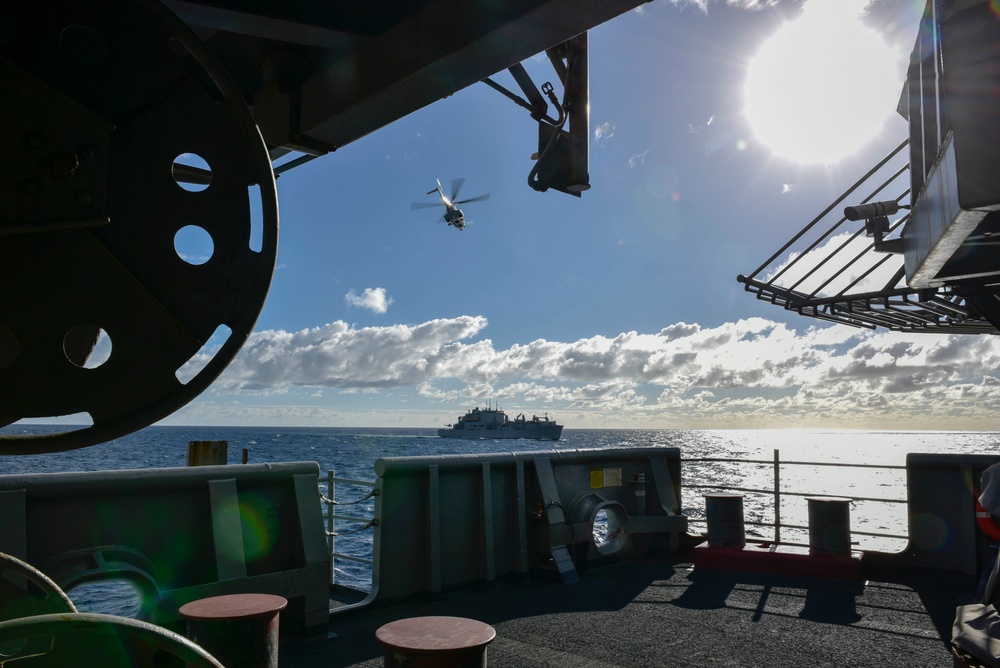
[833, 271]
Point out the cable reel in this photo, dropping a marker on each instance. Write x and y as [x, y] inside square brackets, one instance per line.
[106, 103]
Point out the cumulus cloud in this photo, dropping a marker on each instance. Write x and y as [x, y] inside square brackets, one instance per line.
[376, 300]
[339, 355]
[753, 372]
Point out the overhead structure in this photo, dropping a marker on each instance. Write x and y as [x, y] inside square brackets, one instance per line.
[921, 253]
[141, 141]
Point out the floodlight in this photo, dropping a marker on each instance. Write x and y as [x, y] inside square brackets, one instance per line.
[872, 210]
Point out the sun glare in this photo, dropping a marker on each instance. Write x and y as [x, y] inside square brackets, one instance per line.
[822, 86]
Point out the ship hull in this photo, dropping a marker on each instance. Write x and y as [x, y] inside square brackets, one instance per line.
[534, 432]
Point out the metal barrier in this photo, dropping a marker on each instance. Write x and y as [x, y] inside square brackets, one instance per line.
[458, 519]
[177, 534]
[187, 533]
[330, 502]
[776, 493]
[611, 519]
[941, 529]
[942, 491]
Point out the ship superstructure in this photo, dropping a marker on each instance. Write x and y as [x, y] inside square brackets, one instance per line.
[492, 422]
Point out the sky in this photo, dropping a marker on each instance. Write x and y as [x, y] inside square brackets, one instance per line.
[619, 309]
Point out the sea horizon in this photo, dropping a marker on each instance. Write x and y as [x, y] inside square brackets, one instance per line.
[43, 422]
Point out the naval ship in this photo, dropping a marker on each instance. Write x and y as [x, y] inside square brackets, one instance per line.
[494, 423]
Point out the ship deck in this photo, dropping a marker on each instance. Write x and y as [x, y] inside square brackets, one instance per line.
[667, 613]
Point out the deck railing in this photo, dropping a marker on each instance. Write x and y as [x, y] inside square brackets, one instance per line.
[776, 493]
[357, 523]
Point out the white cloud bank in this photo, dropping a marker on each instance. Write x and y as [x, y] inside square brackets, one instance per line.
[745, 374]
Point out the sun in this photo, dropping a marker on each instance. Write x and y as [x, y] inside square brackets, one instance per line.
[822, 86]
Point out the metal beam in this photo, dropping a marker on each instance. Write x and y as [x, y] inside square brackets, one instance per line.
[443, 48]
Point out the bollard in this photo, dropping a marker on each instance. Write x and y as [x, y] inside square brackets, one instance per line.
[240, 630]
[724, 514]
[435, 642]
[829, 526]
[207, 453]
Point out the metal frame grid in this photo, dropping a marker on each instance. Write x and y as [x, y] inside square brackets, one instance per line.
[833, 272]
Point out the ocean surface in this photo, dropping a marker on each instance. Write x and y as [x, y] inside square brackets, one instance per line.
[352, 452]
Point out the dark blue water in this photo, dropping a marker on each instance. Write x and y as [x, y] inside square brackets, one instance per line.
[352, 452]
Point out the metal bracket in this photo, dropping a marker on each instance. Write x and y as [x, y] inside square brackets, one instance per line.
[563, 157]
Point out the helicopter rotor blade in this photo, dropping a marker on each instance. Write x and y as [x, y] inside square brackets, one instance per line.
[479, 198]
[456, 185]
[424, 205]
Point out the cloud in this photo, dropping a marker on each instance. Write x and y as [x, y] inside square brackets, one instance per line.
[867, 270]
[701, 5]
[750, 373]
[342, 356]
[753, 5]
[695, 128]
[376, 300]
[638, 159]
[604, 131]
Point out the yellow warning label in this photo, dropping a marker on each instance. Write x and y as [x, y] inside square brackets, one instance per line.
[602, 477]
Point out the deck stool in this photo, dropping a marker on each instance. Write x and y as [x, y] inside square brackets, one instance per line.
[240, 630]
[441, 642]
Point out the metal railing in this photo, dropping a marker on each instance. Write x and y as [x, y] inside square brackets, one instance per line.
[777, 493]
[839, 270]
[330, 503]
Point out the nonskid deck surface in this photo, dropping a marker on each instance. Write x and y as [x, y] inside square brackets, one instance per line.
[646, 613]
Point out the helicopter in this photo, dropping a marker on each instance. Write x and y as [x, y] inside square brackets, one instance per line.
[452, 215]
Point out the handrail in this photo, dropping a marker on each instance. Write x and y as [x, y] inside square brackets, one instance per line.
[776, 492]
[803, 494]
[794, 463]
[329, 503]
[367, 521]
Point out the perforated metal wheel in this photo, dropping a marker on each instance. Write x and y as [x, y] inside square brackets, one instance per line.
[101, 641]
[138, 218]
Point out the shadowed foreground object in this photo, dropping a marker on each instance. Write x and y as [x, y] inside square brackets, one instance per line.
[435, 642]
[93, 640]
[140, 215]
[240, 629]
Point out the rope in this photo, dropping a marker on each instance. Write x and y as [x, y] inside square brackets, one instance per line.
[331, 502]
[367, 525]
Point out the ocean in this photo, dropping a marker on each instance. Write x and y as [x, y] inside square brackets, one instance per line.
[352, 452]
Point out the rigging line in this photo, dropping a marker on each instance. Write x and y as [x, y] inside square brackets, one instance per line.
[331, 502]
[337, 534]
